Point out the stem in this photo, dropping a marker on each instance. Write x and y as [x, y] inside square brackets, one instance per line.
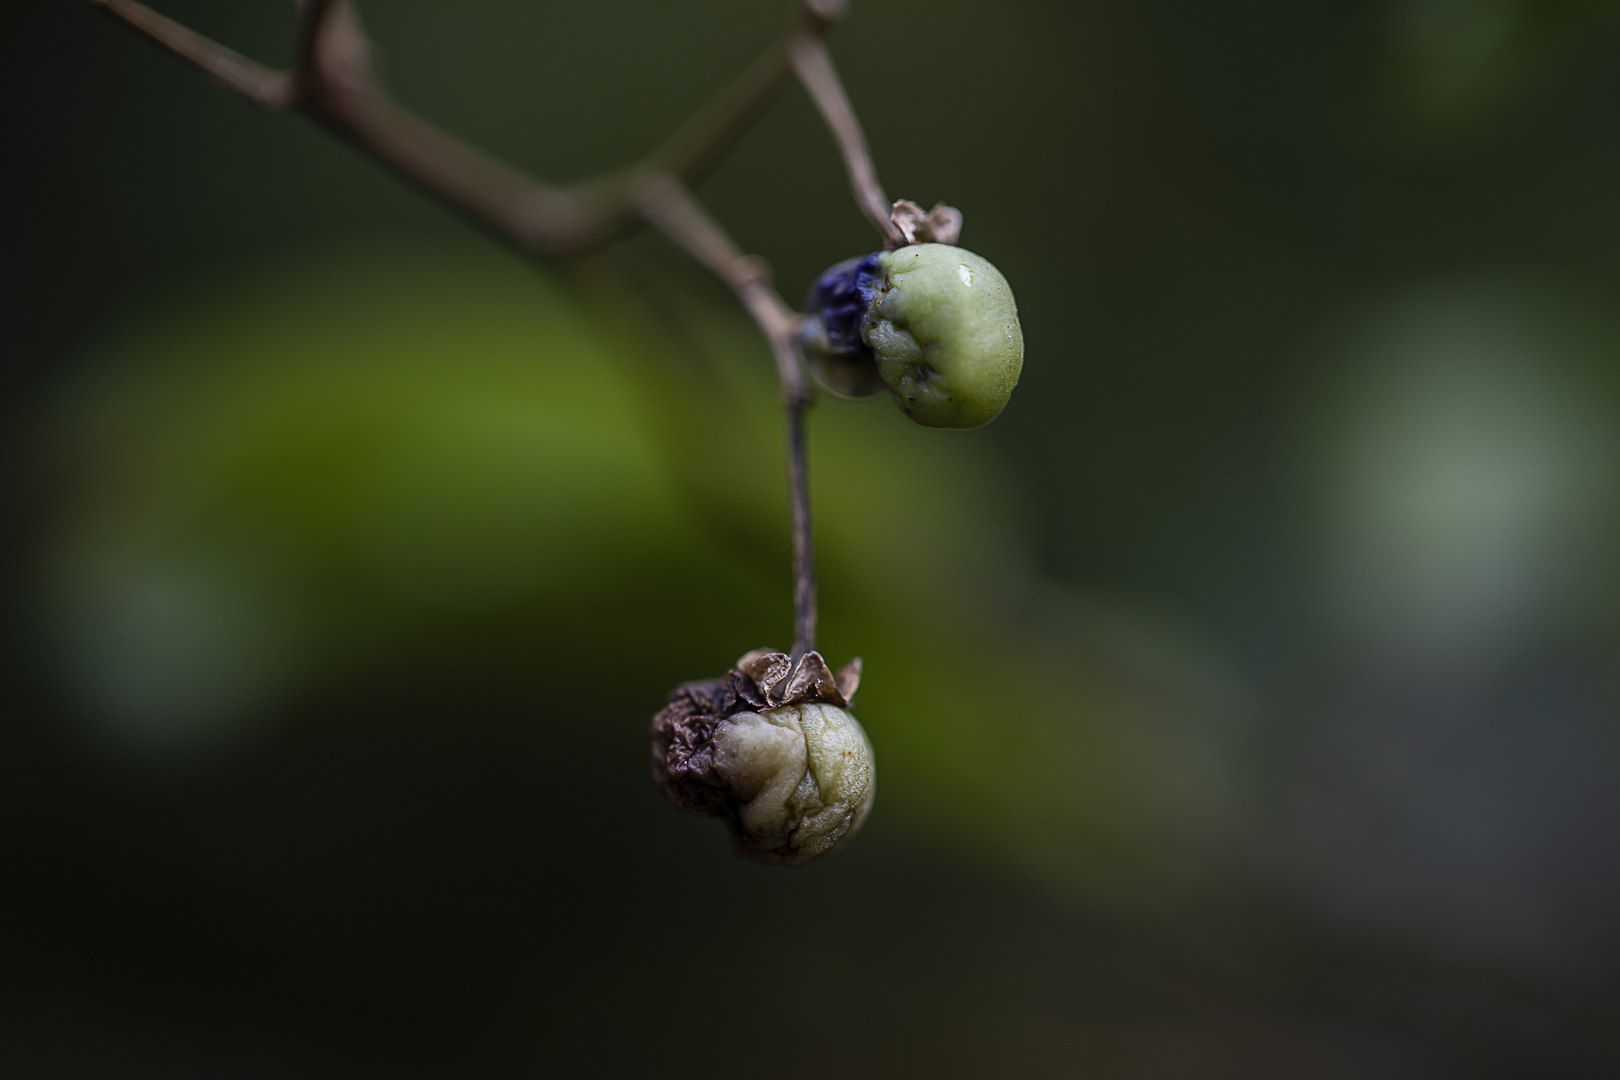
[332, 82]
[265, 87]
[610, 202]
[804, 556]
[538, 220]
[671, 209]
[815, 69]
[669, 206]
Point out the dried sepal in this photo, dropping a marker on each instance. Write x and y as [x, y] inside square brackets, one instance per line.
[848, 680]
[777, 682]
[941, 225]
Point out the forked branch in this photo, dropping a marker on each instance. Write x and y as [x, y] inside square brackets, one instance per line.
[333, 82]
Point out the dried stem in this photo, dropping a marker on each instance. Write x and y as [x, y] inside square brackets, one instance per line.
[333, 83]
[263, 86]
[667, 203]
[610, 204]
[815, 69]
[804, 555]
[672, 209]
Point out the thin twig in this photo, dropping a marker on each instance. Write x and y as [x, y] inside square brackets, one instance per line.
[332, 82]
[815, 69]
[537, 219]
[667, 203]
[610, 203]
[670, 207]
[265, 87]
[804, 556]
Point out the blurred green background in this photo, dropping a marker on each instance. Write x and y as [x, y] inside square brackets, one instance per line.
[1246, 698]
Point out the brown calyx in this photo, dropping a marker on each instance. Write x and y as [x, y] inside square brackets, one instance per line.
[683, 731]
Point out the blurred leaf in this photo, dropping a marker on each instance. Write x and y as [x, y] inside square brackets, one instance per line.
[303, 476]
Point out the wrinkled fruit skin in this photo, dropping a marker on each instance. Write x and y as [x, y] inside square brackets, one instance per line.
[802, 778]
[934, 324]
[794, 782]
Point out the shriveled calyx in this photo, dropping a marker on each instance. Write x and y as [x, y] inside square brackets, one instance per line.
[773, 751]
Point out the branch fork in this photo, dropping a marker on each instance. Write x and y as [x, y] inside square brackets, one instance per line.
[332, 82]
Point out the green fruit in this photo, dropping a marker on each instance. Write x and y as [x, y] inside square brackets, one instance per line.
[779, 758]
[802, 778]
[935, 324]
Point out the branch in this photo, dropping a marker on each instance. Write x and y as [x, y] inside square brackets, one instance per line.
[804, 556]
[332, 82]
[265, 87]
[670, 207]
[815, 69]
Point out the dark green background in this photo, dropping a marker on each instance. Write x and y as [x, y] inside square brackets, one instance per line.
[1245, 698]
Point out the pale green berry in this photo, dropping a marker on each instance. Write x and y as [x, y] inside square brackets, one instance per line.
[780, 759]
[802, 778]
[945, 334]
[935, 324]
